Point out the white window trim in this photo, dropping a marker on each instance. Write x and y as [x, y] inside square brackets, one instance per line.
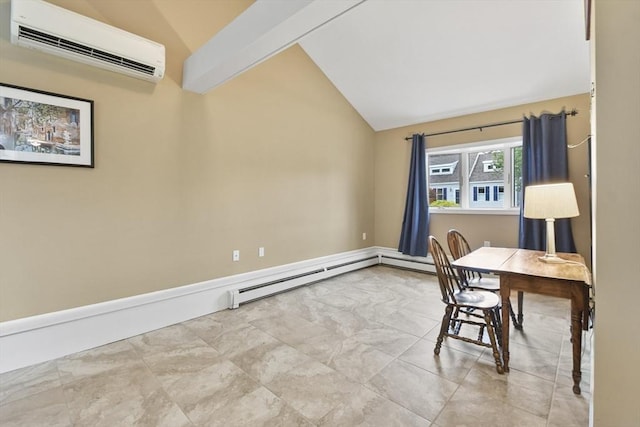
[464, 149]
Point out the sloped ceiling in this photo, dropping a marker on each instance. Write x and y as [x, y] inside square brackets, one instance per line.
[402, 62]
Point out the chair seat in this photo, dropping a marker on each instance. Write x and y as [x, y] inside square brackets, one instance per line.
[477, 299]
[485, 283]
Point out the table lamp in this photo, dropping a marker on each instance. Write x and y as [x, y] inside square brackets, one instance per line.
[548, 202]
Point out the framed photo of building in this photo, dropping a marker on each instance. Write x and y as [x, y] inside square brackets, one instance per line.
[39, 127]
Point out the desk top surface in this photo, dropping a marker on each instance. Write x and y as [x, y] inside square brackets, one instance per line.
[524, 261]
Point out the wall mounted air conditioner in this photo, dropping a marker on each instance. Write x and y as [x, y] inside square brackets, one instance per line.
[40, 25]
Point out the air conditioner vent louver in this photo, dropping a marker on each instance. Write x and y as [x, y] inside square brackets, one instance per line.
[68, 45]
[38, 25]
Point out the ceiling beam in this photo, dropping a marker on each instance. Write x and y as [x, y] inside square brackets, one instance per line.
[264, 29]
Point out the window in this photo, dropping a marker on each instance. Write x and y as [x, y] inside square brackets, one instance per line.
[488, 166]
[442, 169]
[444, 179]
[482, 176]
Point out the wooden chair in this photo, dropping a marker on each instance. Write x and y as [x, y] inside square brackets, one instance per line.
[459, 247]
[458, 300]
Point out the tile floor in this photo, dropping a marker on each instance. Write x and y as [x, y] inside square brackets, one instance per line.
[355, 350]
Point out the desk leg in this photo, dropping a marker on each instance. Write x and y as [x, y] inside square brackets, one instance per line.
[519, 318]
[576, 340]
[520, 314]
[505, 292]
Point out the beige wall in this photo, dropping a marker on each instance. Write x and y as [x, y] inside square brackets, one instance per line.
[616, 379]
[392, 170]
[275, 158]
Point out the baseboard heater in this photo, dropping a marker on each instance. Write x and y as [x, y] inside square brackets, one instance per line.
[36, 339]
[410, 263]
[291, 281]
[297, 278]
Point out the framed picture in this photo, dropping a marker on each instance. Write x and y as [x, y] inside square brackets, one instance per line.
[45, 128]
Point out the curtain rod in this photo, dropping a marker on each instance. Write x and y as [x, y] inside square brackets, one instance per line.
[573, 112]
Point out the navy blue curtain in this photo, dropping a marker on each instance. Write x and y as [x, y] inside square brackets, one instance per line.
[544, 161]
[415, 224]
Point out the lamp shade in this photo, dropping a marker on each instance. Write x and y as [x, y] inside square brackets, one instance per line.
[550, 201]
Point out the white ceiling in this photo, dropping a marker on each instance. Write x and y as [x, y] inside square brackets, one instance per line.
[265, 28]
[402, 62]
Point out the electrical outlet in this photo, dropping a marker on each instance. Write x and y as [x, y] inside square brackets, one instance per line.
[236, 255]
[487, 243]
[260, 251]
[364, 236]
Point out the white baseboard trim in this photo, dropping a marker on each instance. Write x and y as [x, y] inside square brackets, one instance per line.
[299, 274]
[394, 258]
[36, 339]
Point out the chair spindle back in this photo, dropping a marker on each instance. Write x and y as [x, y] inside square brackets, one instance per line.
[447, 277]
[459, 247]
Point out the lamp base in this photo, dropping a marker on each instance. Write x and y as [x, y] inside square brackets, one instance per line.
[552, 259]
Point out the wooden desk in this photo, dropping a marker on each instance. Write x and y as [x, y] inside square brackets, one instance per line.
[520, 270]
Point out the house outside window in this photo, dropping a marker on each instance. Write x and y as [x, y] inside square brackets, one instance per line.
[488, 165]
[444, 180]
[441, 193]
[478, 177]
[443, 169]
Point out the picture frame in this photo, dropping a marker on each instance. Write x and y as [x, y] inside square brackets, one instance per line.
[45, 128]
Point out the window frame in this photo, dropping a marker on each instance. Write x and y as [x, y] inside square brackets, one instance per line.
[505, 144]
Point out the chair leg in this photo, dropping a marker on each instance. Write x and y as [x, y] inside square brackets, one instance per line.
[517, 320]
[514, 320]
[457, 326]
[492, 337]
[498, 325]
[454, 323]
[446, 319]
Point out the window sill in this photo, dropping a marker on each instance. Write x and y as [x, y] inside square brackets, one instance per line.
[460, 211]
